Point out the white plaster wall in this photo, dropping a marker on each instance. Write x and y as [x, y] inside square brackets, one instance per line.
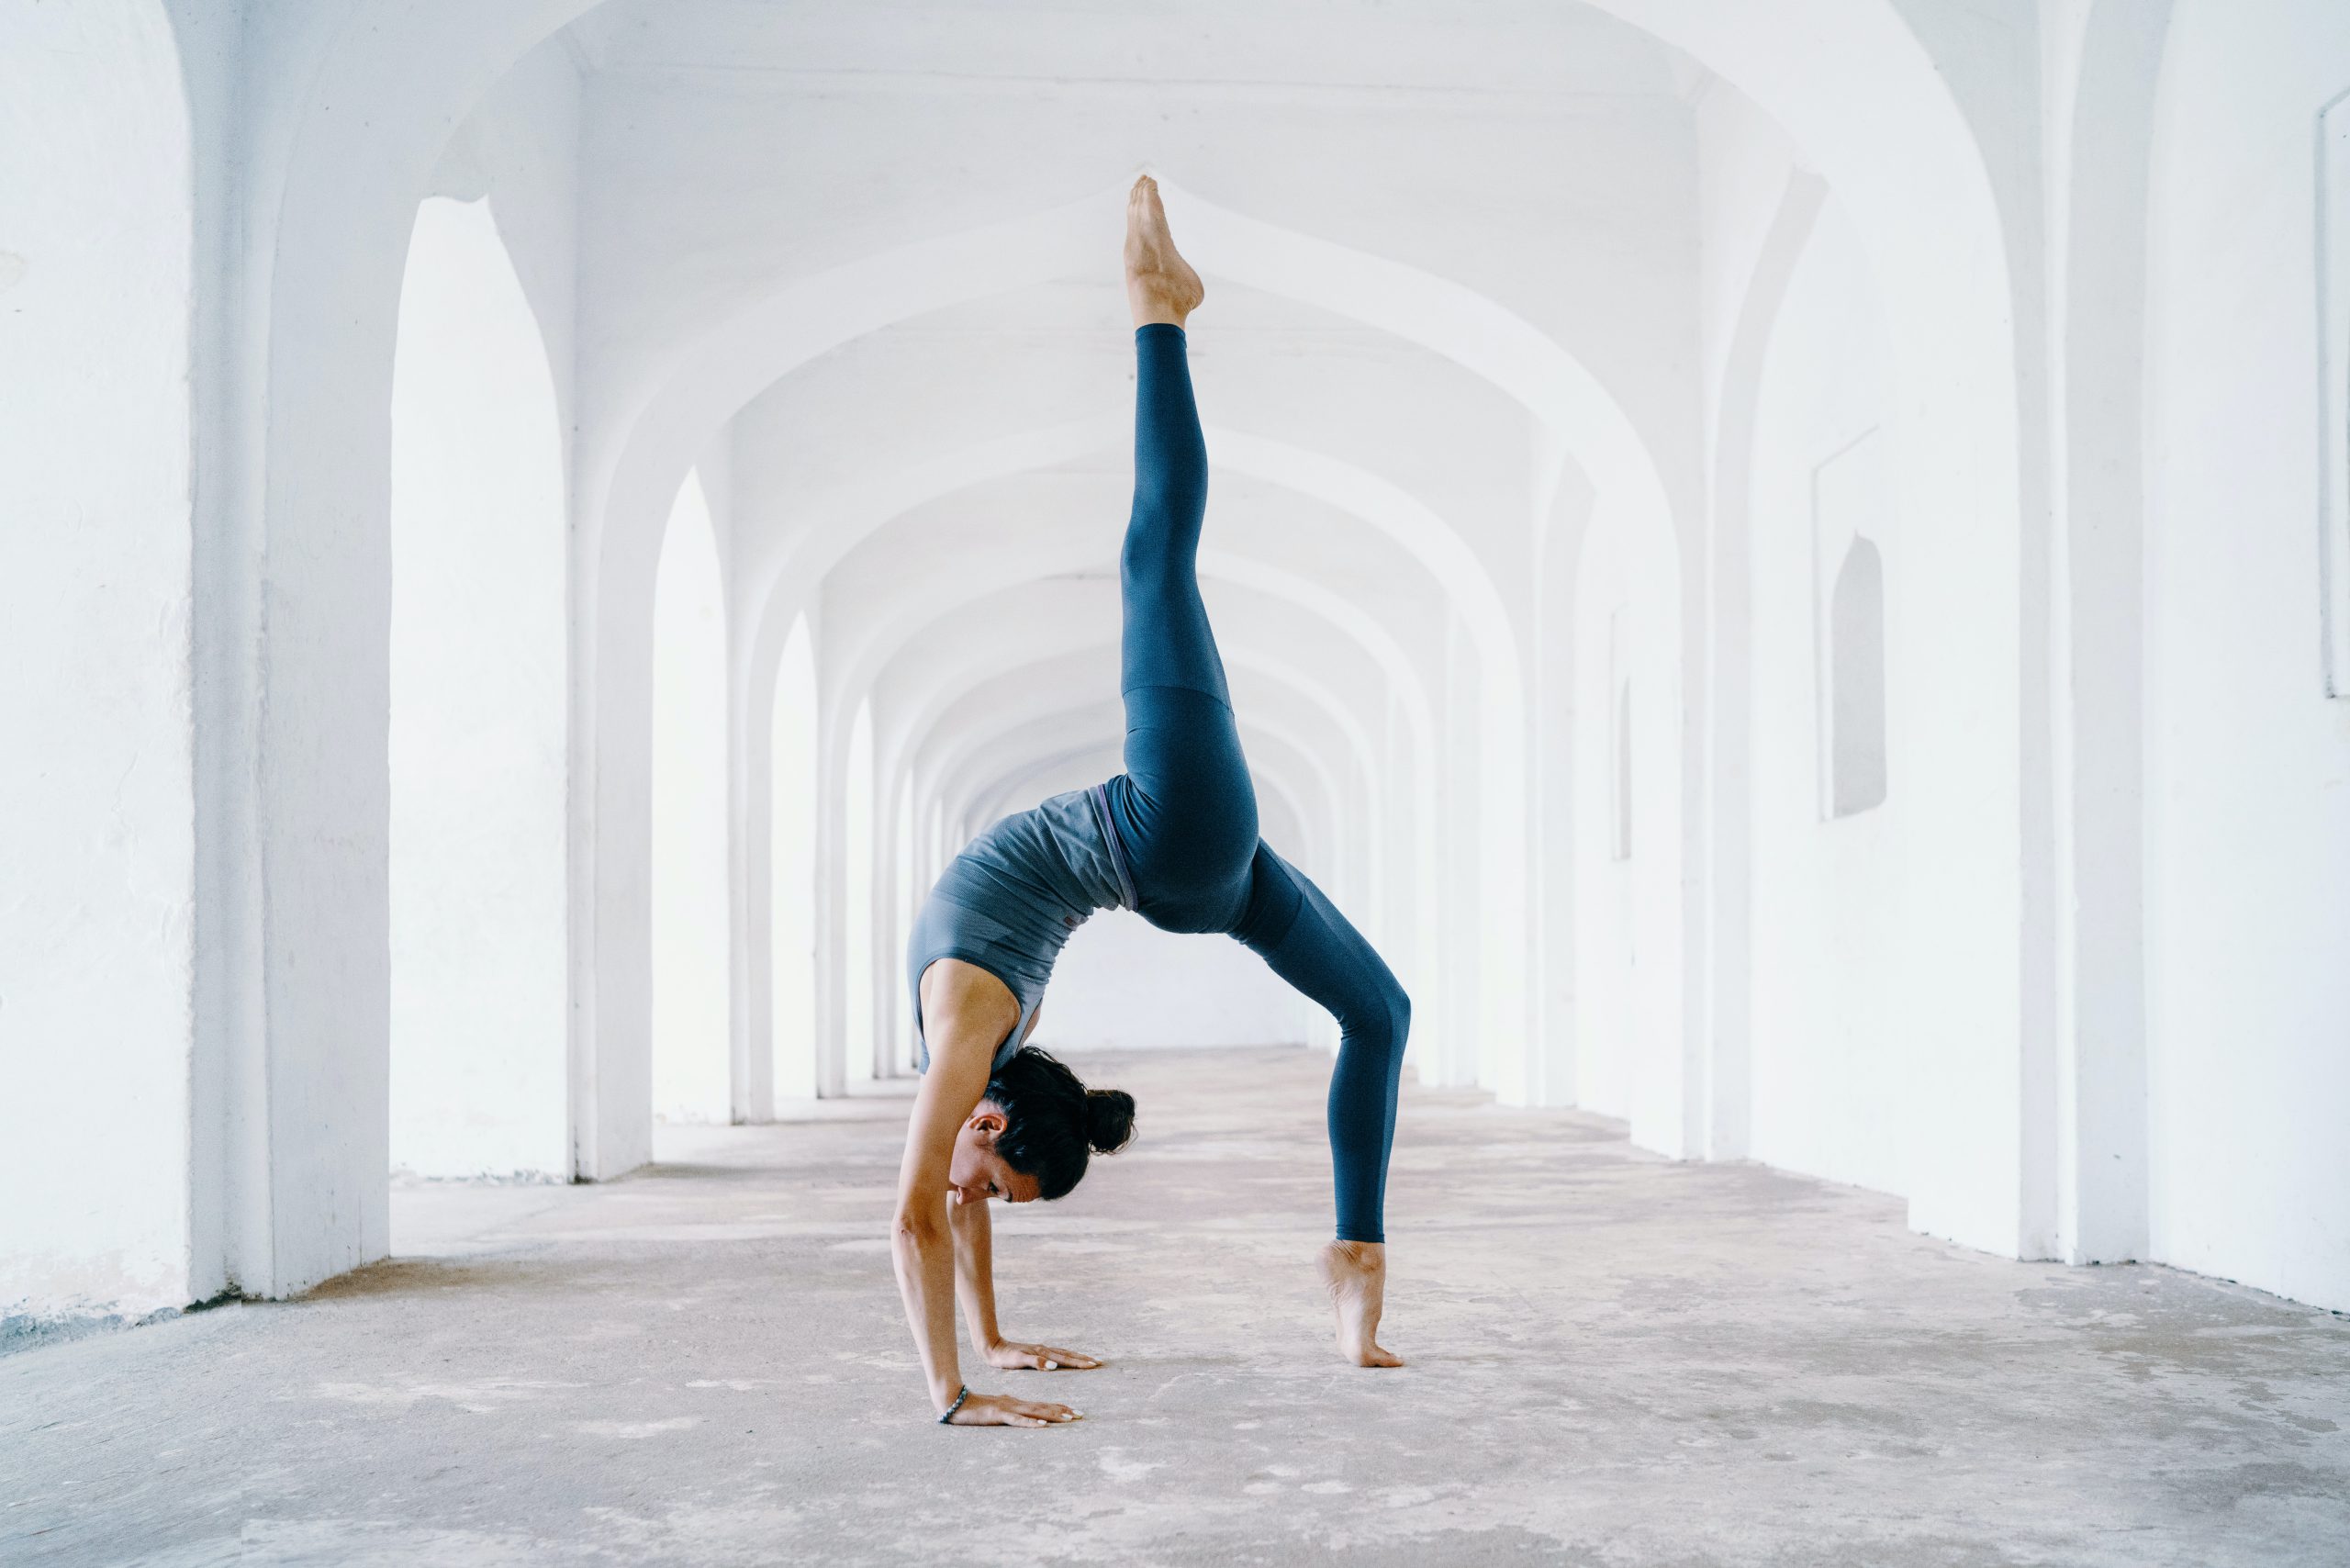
[2248, 762]
[1834, 1065]
[1630, 1032]
[479, 1010]
[793, 826]
[1123, 985]
[1558, 1080]
[97, 835]
[863, 959]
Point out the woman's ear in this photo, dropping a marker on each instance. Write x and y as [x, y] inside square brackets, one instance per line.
[987, 1122]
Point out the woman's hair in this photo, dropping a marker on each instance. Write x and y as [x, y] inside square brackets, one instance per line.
[1050, 1119]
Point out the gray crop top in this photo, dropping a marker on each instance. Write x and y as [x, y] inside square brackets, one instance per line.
[1009, 901]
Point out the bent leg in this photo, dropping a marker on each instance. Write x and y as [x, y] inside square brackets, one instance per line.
[1319, 952]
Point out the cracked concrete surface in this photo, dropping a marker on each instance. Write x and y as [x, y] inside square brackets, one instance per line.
[1615, 1359]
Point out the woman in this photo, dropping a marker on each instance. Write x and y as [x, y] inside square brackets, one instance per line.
[1174, 838]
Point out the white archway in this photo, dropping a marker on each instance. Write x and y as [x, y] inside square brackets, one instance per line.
[385, 85]
[479, 1014]
[692, 1059]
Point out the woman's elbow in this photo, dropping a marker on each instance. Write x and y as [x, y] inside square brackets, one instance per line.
[916, 1227]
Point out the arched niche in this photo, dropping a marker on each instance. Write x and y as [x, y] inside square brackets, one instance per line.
[1855, 709]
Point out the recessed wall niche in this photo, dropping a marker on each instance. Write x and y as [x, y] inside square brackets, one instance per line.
[1851, 505]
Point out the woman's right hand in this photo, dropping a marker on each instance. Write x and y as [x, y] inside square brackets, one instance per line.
[1002, 1410]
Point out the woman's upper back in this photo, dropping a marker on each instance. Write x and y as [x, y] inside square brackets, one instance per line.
[1011, 899]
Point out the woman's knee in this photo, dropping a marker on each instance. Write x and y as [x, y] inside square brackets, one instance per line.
[1163, 539]
[1398, 1006]
[1381, 1018]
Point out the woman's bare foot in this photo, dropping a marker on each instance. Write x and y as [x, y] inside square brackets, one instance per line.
[1356, 1273]
[1160, 284]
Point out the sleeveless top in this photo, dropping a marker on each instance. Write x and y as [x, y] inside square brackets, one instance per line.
[1009, 901]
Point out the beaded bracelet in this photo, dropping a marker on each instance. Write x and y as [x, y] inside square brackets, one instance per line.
[960, 1394]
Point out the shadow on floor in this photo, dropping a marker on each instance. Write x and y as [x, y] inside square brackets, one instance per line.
[419, 1276]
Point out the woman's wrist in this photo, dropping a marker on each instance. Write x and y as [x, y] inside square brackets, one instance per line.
[962, 1391]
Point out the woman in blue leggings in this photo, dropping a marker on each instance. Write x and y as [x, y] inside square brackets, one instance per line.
[1173, 838]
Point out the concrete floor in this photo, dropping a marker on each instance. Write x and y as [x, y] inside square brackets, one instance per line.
[1615, 1361]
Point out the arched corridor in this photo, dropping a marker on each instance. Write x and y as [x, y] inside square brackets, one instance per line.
[1784, 564]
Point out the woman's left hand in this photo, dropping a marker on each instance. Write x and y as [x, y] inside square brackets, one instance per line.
[1013, 1356]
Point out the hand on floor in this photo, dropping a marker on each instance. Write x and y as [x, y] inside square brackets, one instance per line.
[1002, 1410]
[1013, 1356]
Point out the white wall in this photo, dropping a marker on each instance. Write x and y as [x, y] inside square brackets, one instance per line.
[1630, 1033]
[1833, 1072]
[479, 1010]
[1123, 984]
[2248, 762]
[96, 829]
[863, 957]
[792, 826]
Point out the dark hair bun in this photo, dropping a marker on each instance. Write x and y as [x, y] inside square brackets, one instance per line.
[1050, 1119]
[1109, 1119]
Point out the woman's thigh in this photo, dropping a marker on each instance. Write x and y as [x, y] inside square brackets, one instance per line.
[1186, 809]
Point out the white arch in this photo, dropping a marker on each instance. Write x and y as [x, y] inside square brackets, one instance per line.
[846, 517]
[1407, 923]
[1500, 1009]
[731, 365]
[480, 1025]
[1061, 642]
[709, 379]
[691, 1058]
[382, 84]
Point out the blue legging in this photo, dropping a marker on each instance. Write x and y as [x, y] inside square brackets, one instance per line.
[1186, 813]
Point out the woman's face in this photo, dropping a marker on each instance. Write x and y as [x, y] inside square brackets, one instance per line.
[977, 1173]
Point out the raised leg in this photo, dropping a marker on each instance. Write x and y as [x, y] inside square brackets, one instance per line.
[1185, 809]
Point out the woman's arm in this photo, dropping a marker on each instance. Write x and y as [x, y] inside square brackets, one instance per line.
[962, 1021]
[975, 1286]
[975, 1271]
